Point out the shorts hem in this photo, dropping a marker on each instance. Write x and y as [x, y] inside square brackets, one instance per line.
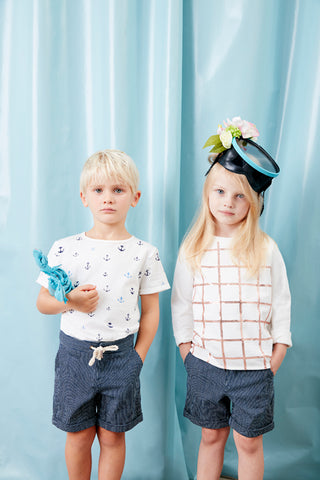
[212, 426]
[92, 423]
[251, 433]
[120, 428]
[74, 428]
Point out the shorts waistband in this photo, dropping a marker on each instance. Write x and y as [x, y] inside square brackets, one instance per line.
[123, 344]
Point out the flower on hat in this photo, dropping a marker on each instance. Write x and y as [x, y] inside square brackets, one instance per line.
[234, 128]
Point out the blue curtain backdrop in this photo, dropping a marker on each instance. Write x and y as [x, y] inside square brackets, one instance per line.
[153, 78]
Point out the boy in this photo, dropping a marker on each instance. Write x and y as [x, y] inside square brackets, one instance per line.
[97, 388]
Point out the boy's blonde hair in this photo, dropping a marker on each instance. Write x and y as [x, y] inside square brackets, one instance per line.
[249, 242]
[109, 164]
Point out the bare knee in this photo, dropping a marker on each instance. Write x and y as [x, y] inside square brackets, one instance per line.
[109, 439]
[249, 446]
[215, 437]
[82, 440]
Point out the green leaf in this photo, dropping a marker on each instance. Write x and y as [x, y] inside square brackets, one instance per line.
[218, 148]
[213, 140]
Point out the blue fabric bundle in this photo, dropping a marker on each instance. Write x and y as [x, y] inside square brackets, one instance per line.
[59, 284]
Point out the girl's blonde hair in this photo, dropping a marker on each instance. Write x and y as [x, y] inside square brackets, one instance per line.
[109, 164]
[248, 244]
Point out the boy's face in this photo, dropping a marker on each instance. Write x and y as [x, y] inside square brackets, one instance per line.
[109, 201]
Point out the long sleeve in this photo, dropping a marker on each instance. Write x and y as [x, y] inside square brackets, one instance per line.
[281, 300]
[181, 303]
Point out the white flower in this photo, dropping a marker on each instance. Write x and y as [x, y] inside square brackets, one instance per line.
[226, 139]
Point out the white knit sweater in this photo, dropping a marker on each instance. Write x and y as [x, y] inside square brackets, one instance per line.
[232, 320]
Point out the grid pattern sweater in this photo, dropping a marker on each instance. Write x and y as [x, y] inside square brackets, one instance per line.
[232, 319]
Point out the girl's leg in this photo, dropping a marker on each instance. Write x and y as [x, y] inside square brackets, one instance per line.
[250, 453]
[78, 453]
[211, 453]
[112, 454]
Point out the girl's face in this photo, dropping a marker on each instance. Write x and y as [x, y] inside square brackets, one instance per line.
[227, 202]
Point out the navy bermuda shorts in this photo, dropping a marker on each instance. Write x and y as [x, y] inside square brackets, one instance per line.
[218, 398]
[106, 394]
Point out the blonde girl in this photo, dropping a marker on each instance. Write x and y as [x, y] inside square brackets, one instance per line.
[231, 306]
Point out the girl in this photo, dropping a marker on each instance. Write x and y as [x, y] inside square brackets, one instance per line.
[231, 306]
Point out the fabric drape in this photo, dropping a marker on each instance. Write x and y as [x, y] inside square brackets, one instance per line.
[153, 78]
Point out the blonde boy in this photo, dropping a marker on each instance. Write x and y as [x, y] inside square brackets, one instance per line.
[97, 387]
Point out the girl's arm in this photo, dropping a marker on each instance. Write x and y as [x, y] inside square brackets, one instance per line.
[181, 307]
[83, 298]
[149, 322]
[278, 354]
[184, 349]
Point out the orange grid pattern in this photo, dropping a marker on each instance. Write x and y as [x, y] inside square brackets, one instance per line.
[231, 313]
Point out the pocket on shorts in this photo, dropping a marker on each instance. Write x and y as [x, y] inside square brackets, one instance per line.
[186, 359]
[138, 359]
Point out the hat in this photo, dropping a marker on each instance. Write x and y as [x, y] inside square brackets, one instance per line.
[236, 151]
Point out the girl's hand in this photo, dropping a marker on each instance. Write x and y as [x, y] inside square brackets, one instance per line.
[83, 298]
[184, 349]
[278, 354]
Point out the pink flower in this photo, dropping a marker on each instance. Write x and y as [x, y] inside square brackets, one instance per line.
[248, 130]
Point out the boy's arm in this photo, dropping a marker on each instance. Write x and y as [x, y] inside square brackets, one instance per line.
[83, 298]
[149, 322]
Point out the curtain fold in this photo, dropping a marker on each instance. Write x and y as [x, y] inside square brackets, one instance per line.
[153, 78]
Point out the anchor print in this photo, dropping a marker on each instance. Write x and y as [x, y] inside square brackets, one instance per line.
[87, 266]
[106, 258]
[76, 254]
[98, 337]
[105, 274]
[157, 257]
[76, 284]
[79, 238]
[121, 248]
[60, 249]
[127, 317]
[120, 300]
[91, 314]
[147, 273]
[132, 291]
[110, 325]
[136, 259]
[106, 289]
[128, 275]
[140, 243]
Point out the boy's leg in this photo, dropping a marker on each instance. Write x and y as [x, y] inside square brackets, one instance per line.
[112, 454]
[250, 453]
[211, 453]
[78, 453]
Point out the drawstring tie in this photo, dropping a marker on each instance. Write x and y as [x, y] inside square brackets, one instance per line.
[99, 351]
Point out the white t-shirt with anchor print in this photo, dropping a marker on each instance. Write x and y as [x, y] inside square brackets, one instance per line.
[122, 270]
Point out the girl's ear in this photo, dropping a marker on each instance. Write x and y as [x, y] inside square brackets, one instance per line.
[83, 199]
[136, 198]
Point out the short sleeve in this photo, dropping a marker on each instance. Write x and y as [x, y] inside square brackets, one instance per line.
[153, 279]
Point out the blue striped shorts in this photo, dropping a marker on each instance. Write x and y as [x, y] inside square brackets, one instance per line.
[218, 398]
[106, 394]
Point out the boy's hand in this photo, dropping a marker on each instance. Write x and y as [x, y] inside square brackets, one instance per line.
[83, 298]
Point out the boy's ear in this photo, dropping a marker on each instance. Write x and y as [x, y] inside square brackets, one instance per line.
[83, 199]
[136, 198]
